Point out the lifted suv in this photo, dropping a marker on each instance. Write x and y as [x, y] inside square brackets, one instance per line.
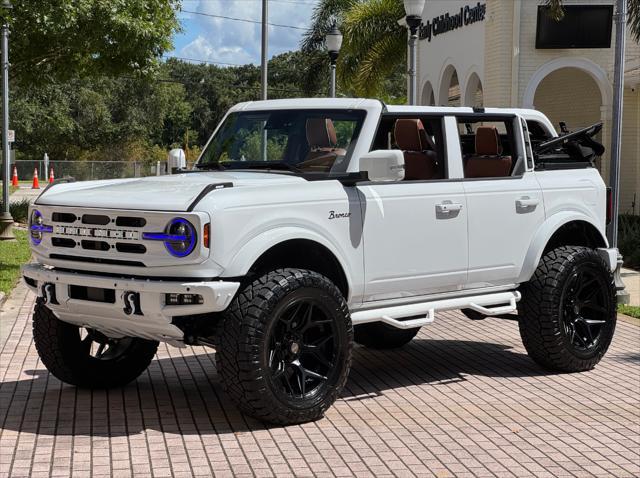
[308, 225]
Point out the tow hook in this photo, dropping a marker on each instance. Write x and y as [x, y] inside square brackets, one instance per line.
[49, 293]
[132, 303]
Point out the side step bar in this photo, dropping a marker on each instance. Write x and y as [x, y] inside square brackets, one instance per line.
[488, 304]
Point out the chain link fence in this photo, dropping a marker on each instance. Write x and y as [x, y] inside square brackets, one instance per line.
[85, 170]
[88, 170]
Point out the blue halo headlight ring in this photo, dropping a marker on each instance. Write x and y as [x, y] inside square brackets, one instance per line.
[37, 228]
[179, 239]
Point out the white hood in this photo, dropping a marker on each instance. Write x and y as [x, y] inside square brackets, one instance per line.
[155, 193]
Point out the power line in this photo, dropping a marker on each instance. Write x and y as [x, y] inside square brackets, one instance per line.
[224, 17]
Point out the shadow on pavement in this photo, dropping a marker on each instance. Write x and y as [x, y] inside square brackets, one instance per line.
[183, 395]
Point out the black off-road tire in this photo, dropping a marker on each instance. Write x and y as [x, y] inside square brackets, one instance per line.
[244, 355]
[61, 350]
[378, 335]
[546, 307]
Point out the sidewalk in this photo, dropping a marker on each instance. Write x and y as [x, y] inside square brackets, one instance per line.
[461, 400]
[631, 281]
[25, 192]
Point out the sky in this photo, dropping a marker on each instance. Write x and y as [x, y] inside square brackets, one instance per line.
[215, 39]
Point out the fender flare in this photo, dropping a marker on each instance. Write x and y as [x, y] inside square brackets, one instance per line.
[544, 234]
[251, 250]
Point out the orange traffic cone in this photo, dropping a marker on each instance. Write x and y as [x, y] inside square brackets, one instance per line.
[14, 179]
[51, 177]
[36, 184]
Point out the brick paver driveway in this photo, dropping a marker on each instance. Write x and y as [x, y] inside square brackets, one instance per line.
[462, 399]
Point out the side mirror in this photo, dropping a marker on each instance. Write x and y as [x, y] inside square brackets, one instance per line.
[383, 165]
[176, 160]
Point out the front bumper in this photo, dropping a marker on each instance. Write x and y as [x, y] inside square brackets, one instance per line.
[150, 319]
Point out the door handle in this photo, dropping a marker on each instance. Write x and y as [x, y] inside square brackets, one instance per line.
[525, 202]
[448, 207]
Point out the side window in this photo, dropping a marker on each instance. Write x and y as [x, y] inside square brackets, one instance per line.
[488, 146]
[420, 139]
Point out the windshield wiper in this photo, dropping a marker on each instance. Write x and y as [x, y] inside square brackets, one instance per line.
[210, 166]
[266, 165]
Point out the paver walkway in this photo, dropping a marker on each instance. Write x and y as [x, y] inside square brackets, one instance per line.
[462, 399]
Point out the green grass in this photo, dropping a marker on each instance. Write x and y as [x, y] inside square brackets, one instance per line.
[12, 255]
[630, 310]
[12, 189]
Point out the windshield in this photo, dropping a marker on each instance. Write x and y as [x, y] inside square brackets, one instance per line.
[296, 140]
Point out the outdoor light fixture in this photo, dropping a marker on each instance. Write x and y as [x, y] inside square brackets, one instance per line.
[413, 10]
[179, 238]
[333, 41]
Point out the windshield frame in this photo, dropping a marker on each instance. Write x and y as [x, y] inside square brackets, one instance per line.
[358, 115]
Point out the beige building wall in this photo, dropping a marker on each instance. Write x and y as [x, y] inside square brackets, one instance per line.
[569, 95]
[630, 160]
[517, 74]
[571, 85]
[498, 52]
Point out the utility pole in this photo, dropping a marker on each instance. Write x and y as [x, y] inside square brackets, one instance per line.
[6, 221]
[265, 47]
[264, 69]
[616, 136]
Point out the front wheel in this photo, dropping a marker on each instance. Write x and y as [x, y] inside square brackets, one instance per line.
[85, 357]
[568, 310]
[284, 349]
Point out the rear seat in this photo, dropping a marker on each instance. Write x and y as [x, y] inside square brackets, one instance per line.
[488, 161]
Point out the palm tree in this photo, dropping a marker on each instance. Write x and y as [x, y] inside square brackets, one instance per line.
[375, 45]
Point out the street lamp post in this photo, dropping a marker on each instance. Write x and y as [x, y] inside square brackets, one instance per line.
[413, 10]
[6, 221]
[334, 43]
[616, 138]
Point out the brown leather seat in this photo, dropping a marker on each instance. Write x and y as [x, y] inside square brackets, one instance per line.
[322, 139]
[488, 161]
[420, 157]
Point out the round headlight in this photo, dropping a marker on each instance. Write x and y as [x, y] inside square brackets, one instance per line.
[35, 227]
[181, 237]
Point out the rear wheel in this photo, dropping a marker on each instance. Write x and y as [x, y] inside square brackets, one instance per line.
[568, 310]
[85, 357]
[285, 347]
[378, 335]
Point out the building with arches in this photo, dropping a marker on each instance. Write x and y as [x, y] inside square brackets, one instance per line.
[508, 53]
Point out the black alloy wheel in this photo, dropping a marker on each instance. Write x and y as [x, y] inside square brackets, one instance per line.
[302, 349]
[584, 308]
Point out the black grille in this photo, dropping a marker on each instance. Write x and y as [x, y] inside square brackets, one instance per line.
[130, 248]
[65, 217]
[95, 245]
[124, 221]
[93, 294]
[96, 219]
[63, 242]
[96, 260]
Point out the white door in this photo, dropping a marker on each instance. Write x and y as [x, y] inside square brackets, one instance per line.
[504, 214]
[415, 238]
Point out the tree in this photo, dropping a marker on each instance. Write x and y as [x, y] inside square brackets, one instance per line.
[57, 40]
[374, 46]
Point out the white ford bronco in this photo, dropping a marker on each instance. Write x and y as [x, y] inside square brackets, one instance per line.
[308, 225]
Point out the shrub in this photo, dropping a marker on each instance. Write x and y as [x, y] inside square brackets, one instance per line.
[19, 210]
[629, 240]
